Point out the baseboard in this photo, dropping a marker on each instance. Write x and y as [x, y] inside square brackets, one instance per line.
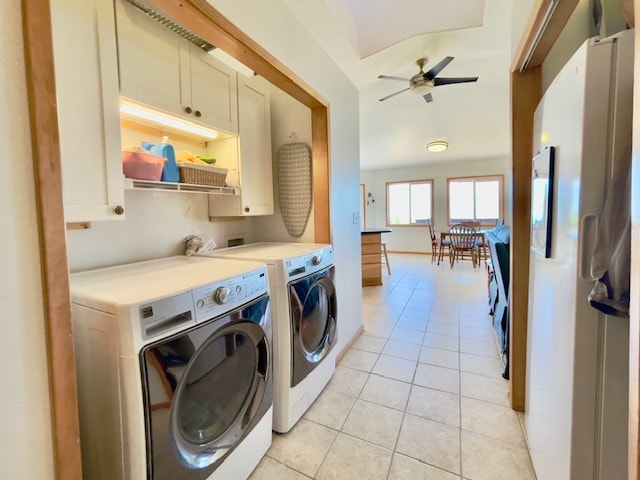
[349, 344]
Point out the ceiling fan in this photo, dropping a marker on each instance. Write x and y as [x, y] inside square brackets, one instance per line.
[422, 83]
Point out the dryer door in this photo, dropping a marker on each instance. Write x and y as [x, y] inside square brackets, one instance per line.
[216, 385]
[314, 308]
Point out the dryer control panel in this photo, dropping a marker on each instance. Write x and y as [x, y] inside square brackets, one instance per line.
[298, 267]
[221, 297]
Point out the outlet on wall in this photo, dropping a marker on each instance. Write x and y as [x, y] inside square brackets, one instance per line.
[356, 218]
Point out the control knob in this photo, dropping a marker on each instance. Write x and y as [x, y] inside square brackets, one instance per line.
[222, 295]
[316, 260]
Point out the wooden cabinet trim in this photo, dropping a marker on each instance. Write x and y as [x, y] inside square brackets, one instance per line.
[52, 237]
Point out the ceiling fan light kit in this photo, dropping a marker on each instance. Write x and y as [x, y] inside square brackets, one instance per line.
[437, 146]
[422, 83]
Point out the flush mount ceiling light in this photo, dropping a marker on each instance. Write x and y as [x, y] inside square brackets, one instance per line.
[157, 118]
[437, 146]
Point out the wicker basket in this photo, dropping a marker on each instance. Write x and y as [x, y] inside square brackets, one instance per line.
[202, 175]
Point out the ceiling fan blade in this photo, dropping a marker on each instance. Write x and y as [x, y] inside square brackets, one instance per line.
[449, 81]
[427, 97]
[431, 74]
[393, 94]
[391, 77]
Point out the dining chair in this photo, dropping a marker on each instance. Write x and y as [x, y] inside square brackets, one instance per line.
[481, 244]
[437, 244]
[463, 241]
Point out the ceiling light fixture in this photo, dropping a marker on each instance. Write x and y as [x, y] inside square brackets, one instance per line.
[437, 146]
[165, 120]
[421, 86]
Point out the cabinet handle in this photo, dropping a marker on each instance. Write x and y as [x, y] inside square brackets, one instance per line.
[198, 114]
[118, 210]
[246, 209]
[188, 109]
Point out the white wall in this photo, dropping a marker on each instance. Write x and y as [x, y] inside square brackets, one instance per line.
[26, 445]
[290, 123]
[156, 225]
[520, 12]
[414, 239]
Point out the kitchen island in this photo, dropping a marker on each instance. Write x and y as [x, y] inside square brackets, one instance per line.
[371, 239]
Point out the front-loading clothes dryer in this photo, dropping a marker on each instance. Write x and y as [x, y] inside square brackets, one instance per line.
[305, 321]
[174, 368]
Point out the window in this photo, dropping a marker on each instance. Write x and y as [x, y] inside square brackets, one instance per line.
[409, 203]
[475, 199]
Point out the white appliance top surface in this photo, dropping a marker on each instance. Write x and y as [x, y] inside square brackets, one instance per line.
[144, 281]
[270, 252]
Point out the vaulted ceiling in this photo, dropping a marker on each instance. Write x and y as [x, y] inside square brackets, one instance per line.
[379, 37]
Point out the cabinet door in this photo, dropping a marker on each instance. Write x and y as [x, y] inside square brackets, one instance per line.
[256, 164]
[153, 61]
[86, 69]
[213, 91]
[161, 69]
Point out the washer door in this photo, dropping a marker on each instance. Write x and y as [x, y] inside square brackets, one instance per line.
[313, 321]
[217, 386]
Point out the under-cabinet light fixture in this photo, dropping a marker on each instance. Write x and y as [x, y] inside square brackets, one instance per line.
[165, 120]
[437, 146]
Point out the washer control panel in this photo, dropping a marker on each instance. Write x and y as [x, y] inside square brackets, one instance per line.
[221, 297]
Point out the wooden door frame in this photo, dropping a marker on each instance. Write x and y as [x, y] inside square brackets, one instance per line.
[204, 20]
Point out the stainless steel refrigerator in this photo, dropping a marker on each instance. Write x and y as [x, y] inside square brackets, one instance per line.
[577, 356]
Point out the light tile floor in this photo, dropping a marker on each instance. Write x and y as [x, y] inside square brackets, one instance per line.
[418, 396]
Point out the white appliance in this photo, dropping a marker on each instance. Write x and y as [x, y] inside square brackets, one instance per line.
[577, 358]
[174, 369]
[302, 287]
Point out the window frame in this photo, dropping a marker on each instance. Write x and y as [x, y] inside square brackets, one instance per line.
[409, 182]
[474, 179]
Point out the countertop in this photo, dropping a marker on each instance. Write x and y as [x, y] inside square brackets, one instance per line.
[365, 231]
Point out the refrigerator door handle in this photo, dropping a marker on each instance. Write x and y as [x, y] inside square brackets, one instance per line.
[586, 244]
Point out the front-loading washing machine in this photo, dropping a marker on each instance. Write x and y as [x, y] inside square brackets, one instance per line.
[174, 369]
[302, 286]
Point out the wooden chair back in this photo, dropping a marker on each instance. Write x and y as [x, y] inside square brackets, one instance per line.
[431, 232]
[463, 236]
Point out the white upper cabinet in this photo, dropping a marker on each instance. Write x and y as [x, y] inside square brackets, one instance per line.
[254, 169]
[256, 164]
[161, 69]
[213, 91]
[86, 70]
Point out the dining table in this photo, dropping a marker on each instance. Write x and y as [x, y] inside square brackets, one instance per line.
[445, 236]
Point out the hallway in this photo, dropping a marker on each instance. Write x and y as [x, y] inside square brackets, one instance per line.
[418, 396]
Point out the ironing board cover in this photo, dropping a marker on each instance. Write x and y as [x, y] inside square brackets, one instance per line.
[294, 185]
